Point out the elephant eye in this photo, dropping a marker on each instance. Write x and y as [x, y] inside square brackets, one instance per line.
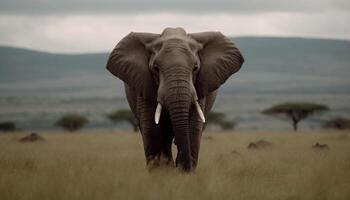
[156, 67]
[195, 68]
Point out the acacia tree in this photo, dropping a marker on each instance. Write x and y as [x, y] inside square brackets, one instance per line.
[124, 115]
[296, 111]
[219, 119]
[72, 122]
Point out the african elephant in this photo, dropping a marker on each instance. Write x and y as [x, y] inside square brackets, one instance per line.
[171, 81]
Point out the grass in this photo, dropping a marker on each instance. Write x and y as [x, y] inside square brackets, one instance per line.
[104, 165]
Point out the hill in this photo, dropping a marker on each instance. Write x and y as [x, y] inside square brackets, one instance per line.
[293, 65]
[272, 65]
[17, 64]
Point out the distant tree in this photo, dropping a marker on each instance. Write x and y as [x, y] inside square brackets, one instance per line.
[72, 122]
[218, 118]
[339, 123]
[7, 126]
[124, 115]
[227, 125]
[296, 111]
[215, 117]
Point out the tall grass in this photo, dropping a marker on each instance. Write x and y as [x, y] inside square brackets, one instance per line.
[103, 165]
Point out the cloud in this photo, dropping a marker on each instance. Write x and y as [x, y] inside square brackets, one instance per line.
[91, 33]
[97, 25]
[54, 7]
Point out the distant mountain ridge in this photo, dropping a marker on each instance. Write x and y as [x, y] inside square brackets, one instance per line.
[272, 65]
[24, 64]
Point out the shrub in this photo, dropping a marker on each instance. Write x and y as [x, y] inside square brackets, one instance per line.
[227, 125]
[72, 122]
[219, 119]
[124, 115]
[7, 126]
[339, 123]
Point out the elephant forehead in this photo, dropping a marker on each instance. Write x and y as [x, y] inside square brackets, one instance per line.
[175, 43]
[174, 39]
[174, 31]
[176, 57]
[171, 46]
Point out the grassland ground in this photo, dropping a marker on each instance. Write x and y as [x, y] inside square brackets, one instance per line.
[111, 165]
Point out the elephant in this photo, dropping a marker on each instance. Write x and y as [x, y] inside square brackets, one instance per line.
[171, 81]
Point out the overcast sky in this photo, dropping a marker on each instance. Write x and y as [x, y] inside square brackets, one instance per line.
[97, 25]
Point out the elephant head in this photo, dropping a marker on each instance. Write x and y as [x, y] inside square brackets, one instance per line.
[175, 69]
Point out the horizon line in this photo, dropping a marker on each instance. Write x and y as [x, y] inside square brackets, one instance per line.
[232, 36]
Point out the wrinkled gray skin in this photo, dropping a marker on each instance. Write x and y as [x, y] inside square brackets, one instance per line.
[174, 69]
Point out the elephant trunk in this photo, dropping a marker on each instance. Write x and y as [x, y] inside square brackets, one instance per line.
[179, 114]
[176, 94]
[177, 101]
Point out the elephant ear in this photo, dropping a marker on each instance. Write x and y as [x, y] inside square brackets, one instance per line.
[129, 61]
[219, 58]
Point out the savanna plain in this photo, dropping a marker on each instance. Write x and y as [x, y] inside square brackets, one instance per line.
[110, 165]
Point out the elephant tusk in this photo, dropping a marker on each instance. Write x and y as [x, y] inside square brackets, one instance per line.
[200, 112]
[158, 112]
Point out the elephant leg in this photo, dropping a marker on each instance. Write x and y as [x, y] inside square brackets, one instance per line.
[167, 137]
[196, 129]
[151, 133]
[196, 125]
[151, 136]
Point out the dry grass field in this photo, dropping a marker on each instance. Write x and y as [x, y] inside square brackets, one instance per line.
[103, 165]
